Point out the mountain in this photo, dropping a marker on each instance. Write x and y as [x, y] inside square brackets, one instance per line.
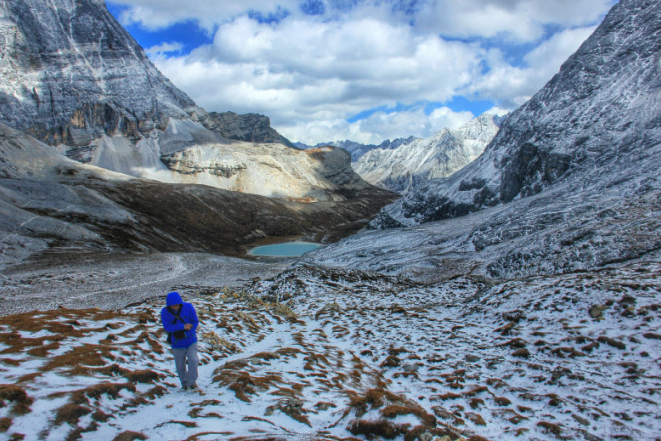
[357, 149]
[101, 153]
[402, 167]
[52, 205]
[598, 118]
[73, 78]
[569, 183]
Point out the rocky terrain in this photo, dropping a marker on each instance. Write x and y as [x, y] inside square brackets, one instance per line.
[51, 204]
[346, 355]
[403, 167]
[599, 117]
[99, 152]
[517, 299]
[73, 78]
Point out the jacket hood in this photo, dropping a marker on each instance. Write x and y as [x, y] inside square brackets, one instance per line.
[173, 299]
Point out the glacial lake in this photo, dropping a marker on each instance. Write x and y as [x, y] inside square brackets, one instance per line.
[287, 249]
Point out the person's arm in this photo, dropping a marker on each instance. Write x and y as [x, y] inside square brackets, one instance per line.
[167, 319]
[194, 320]
[191, 315]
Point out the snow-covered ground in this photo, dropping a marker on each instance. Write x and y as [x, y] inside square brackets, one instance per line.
[113, 281]
[318, 353]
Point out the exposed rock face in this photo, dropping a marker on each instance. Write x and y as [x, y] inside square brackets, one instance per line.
[579, 165]
[420, 160]
[70, 73]
[597, 116]
[50, 203]
[72, 77]
[249, 127]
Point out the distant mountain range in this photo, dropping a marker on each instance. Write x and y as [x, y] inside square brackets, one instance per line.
[356, 149]
[72, 77]
[403, 163]
[596, 124]
[403, 167]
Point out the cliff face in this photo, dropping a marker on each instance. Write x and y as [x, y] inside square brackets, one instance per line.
[71, 73]
[249, 127]
[597, 116]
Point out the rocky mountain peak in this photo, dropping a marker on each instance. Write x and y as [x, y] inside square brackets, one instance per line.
[601, 112]
[409, 164]
[70, 74]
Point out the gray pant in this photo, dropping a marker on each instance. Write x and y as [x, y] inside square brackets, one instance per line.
[186, 358]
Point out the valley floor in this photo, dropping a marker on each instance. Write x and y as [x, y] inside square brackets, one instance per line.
[318, 353]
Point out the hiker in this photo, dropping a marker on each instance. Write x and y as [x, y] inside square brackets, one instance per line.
[180, 322]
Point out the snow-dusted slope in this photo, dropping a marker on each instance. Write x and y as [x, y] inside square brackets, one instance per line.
[350, 355]
[420, 160]
[49, 203]
[600, 113]
[72, 77]
[576, 170]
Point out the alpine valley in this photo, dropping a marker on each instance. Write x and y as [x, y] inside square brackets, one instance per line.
[517, 298]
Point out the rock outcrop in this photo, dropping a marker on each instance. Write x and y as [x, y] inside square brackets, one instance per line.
[249, 127]
[570, 183]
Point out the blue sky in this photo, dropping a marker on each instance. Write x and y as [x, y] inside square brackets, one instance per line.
[364, 70]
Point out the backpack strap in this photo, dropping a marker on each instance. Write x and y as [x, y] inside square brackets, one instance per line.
[176, 316]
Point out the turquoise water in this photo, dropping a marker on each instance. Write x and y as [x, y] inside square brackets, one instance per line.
[287, 249]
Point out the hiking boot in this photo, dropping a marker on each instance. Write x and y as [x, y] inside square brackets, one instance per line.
[184, 387]
[193, 386]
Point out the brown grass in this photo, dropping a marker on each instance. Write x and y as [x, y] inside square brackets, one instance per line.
[391, 361]
[189, 424]
[96, 391]
[130, 436]
[101, 416]
[145, 376]
[243, 384]
[70, 413]
[5, 424]
[550, 427]
[383, 428]
[17, 395]
[395, 410]
[85, 355]
[156, 391]
[523, 353]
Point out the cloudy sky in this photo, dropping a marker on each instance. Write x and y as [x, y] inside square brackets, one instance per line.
[365, 70]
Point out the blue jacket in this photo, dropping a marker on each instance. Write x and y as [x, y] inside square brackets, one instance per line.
[172, 324]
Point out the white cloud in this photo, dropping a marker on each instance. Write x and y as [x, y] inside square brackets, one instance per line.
[157, 14]
[310, 73]
[323, 73]
[515, 85]
[165, 48]
[515, 20]
[377, 127]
